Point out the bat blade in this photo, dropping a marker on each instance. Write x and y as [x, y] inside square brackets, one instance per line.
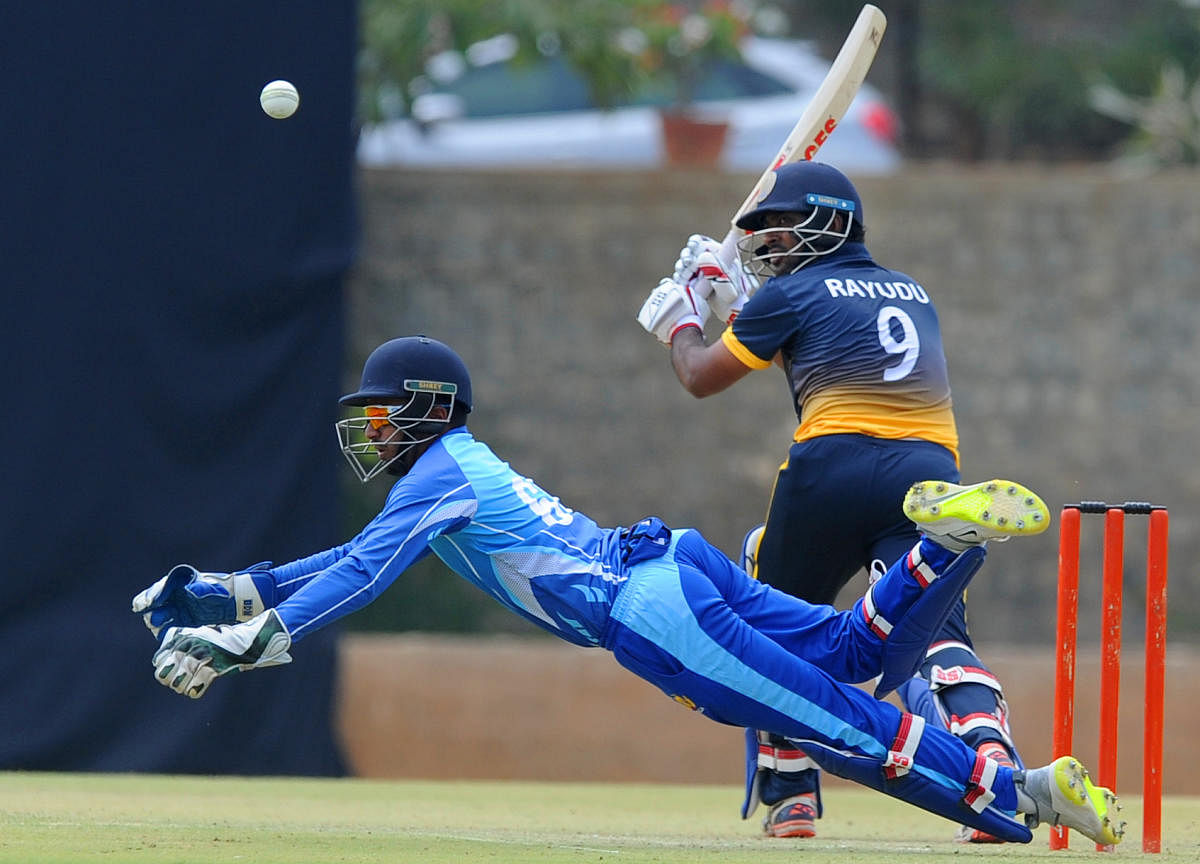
[828, 105]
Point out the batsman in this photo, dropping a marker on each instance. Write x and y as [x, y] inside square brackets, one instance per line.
[669, 606]
[861, 349]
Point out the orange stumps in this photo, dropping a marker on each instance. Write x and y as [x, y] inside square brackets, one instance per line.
[1067, 631]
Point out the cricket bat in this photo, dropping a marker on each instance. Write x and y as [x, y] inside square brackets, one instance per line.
[821, 116]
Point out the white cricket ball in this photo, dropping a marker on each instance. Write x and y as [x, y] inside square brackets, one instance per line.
[279, 99]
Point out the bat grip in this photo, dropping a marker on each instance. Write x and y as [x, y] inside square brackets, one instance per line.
[729, 248]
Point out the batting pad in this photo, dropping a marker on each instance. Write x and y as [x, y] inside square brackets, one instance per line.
[904, 650]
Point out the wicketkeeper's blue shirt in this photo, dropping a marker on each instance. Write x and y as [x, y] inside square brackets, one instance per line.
[492, 526]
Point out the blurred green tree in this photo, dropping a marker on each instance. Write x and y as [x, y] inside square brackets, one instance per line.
[399, 38]
[1014, 79]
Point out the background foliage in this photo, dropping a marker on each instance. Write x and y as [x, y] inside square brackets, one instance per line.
[1011, 79]
[972, 79]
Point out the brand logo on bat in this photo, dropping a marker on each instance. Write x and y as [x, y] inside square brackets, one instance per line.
[809, 152]
[819, 139]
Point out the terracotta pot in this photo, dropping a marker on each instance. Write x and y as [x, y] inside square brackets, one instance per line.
[690, 142]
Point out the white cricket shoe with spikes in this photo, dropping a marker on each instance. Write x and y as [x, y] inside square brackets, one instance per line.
[1064, 795]
[958, 517]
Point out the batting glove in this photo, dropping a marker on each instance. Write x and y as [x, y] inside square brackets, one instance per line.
[729, 286]
[185, 597]
[191, 658]
[716, 274]
[686, 263]
[671, 307]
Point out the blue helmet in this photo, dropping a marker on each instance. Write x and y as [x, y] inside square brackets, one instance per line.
[798, 187]
[395, 367]
[409, 392]
[826, 207]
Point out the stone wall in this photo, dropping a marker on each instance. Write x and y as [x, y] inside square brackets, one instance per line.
[449, 707]
[1070, 308]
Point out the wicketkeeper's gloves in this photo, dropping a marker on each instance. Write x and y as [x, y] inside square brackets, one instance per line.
[186, 597]
[192, 657]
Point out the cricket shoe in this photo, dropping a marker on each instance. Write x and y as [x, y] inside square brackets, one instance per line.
[1064, 795]
[995, 751]
[792, 817]
[958, 517]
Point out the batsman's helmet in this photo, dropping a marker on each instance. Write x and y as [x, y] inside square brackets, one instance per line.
[403, 382]
[818, 193]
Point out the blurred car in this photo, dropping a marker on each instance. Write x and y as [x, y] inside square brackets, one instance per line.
[539, 115]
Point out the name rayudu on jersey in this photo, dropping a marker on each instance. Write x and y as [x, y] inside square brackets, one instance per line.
[872, 290]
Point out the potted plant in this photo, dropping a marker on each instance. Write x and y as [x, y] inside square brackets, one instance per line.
[681, 41]
[682, 38]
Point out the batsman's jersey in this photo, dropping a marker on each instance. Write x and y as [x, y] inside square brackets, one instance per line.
[861, 347]
[490, 525]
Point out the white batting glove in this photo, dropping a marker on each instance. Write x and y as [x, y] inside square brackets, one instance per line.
[729, 284]
[685, 264]
[671, 307]
[191, 658]
[716, 274]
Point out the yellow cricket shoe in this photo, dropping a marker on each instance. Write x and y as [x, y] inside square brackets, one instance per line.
[958, 517]
[1065, 795]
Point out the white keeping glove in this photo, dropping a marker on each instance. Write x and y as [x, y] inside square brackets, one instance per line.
[191, 658]
[671, 307]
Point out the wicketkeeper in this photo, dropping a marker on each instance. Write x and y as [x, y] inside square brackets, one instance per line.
[669, 606]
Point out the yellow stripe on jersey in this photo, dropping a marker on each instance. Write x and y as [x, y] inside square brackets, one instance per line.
[837, 411]
[861, 411]
[741, 352]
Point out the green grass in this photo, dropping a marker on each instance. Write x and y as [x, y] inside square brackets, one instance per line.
[120, 818]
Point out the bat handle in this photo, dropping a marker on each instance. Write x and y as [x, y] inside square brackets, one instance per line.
[729, 248]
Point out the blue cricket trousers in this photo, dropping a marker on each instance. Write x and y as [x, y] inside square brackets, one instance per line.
[695, 625]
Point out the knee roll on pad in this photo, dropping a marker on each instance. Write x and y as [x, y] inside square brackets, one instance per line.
[968, 697]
